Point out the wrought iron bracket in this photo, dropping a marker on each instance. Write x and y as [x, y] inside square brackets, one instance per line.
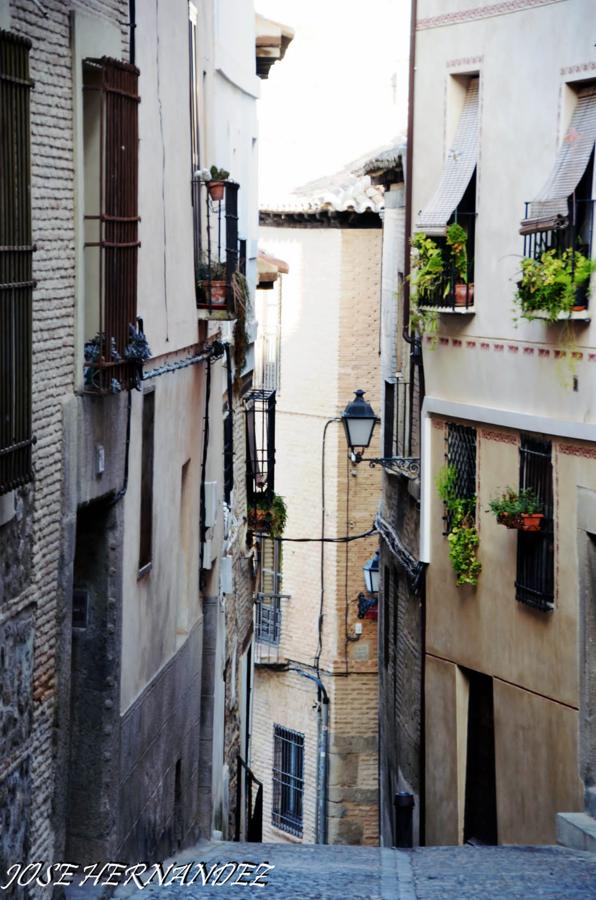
[401, 465]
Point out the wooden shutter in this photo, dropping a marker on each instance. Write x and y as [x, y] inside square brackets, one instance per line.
[16, 279]
[118, 214]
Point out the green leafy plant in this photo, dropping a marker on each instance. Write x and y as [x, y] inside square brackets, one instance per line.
[269, 514]
[550, 285]
[210, 269]
[427, 267]
[515, 503]
[463, 537]
[457, 241]
[218, 174]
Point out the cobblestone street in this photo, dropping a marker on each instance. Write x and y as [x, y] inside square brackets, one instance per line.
[368, 873]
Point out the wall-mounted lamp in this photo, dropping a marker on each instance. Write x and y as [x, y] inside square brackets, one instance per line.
[359, 420]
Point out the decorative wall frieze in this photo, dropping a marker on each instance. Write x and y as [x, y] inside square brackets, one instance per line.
[481, 12]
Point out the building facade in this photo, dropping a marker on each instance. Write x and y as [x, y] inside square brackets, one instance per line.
[126, 587]
[505, 152]
[315, 688]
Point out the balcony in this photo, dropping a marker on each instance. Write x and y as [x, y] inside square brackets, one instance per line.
[443, 267]
[220, 286]
[557, 265]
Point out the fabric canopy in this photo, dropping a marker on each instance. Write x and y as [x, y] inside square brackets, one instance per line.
[458, 170]
[549, 208]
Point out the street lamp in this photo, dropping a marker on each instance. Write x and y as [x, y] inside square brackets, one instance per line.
[359, 419]
[371, 573]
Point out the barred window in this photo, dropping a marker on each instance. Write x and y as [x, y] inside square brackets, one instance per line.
[16, 278]
[288, 780]
[461, 455]
[535, 550]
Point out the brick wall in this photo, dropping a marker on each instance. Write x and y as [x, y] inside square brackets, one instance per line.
[53, 362]
[330, 326]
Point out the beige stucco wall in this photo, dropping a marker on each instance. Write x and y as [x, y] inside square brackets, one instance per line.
[329, 342]
[490, 362]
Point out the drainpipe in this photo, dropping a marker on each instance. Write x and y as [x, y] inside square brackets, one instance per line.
[323, 758]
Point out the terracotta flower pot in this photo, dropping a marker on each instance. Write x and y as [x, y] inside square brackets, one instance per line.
[464, 294]
[218, 291]
[258, 519]
[216, 189]
[531, 521]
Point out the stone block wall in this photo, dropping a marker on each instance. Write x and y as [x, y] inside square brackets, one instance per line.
[33, 540]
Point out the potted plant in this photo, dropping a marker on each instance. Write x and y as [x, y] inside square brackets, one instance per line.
[457, 241]
[518, 509]
[553, 285]
[212, 282]
[463, 537]
[427, 266]
[216, 182]
[269, 514]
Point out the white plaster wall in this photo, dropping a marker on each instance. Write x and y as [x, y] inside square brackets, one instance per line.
[166, 298]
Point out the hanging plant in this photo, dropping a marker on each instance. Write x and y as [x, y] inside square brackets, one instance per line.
[463, 537]
[268, 515]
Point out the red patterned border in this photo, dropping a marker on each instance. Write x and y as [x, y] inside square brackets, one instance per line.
[498, 347]
[481, 12]
[439, 424]
[464, 61]
[578, 450]
[502, 437]
[577, 70]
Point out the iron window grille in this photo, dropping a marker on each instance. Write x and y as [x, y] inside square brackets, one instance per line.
[444, 295]
[16, 263]
[260, 446]
[573, 232]
[216, 248]
[460, 454]
[288, 780]
[112, 228]
[534, 583]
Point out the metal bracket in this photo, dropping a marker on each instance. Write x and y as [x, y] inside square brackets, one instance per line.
[401, 465]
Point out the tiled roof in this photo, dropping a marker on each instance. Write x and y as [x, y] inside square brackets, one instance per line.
[350, 190]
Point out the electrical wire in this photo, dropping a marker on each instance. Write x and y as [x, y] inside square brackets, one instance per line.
[339, 540]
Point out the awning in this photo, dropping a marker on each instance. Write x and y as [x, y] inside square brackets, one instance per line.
[549, 208]
[268, 269]
[458, 170]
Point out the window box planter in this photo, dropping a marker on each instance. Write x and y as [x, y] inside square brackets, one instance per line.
[521, 521]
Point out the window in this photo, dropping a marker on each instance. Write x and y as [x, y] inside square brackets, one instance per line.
[146, 518]
[389, 419]
[288, 780]
[228, 428]
[268, 605]
[111, 152]
[268, 350]
[561, 215]
[16, 278]
[461, 455]
[454, 203]
[260, 445]
[535, 550]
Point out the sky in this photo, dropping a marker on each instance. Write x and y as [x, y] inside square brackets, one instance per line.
[340, 91]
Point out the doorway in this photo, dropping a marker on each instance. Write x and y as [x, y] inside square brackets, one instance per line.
[480, 812]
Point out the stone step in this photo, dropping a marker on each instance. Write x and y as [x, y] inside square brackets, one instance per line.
[576, 830]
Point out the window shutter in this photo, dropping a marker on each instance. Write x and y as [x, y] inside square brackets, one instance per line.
[16, 278]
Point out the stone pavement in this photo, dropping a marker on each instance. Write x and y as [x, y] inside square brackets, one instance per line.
[310, 872]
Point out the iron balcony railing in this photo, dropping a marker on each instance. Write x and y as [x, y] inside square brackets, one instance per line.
[450, 292]
[16, 255]
[573, 232]
[216, 248]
